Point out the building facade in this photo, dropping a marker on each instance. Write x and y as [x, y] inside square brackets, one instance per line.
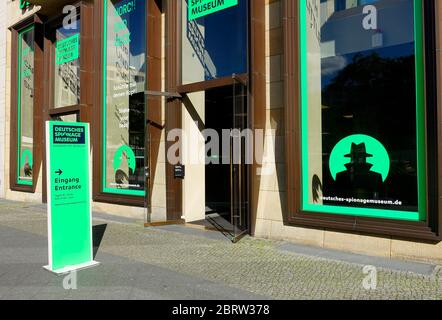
[314, 121]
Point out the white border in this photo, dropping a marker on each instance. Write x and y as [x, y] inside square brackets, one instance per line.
[88, 142]
[70, 269]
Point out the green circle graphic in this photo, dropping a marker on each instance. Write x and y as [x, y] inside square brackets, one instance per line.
[380, 158]
[130, 156]
[26, 155]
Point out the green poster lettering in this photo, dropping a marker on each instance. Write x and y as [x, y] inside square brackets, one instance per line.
[67, 49]
[201, 8]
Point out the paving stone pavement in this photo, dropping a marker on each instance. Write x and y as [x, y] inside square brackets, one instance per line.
[177, 263]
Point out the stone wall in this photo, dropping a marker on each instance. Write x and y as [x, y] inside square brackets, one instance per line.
[2, 94]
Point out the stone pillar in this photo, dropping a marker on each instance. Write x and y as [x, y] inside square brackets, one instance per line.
[2, 95]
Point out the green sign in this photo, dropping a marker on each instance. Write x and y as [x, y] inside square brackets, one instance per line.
[128, 154]
[67, 49]
[377, 156]
[69, 197]
[201, 8]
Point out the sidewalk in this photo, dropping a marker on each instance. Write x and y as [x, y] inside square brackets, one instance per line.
[184, 263]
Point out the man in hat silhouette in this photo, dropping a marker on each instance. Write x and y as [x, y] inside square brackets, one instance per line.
[358, 181]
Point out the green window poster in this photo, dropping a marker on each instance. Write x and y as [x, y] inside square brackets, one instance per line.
[25, 107]
[69, 196]
[124, 102]
[201, 8]
[67, 49]
[363, 108]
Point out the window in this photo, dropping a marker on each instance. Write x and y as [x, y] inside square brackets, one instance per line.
[25, 107]
[124, 84]
[214, 42]
[363, 109]
[70, 64]
[67, 66]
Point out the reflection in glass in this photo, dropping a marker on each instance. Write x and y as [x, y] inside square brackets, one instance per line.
[360, 108]
[67, 66]
[124, 104]
[214, 46]
[25, 115]
[73, 117]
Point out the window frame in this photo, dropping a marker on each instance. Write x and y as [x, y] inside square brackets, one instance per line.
[16, 30]
[428, 230]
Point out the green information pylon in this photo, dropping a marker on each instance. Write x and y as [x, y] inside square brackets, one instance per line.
[69, 197]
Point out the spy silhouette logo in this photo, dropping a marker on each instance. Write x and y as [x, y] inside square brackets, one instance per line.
[359, 147]
[26, 161]
[129, 156]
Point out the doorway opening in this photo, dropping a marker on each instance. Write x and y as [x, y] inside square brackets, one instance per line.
[225, 198]
[219, 117]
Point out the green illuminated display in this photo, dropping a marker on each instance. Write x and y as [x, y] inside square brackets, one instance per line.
[124, 83]
[69, 196]
[363, 109]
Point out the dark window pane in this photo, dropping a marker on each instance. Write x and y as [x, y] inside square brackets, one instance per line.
[215, 45]
[361, 114]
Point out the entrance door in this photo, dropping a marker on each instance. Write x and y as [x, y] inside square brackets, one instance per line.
[213, 47]
[227, 171]
[216, 193]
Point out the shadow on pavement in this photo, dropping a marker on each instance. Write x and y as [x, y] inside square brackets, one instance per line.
[97, 236]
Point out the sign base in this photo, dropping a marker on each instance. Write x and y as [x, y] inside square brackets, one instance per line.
[70, 269]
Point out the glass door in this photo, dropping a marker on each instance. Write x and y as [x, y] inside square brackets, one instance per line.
[227, 168]
[242, 155]
[214, 46]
